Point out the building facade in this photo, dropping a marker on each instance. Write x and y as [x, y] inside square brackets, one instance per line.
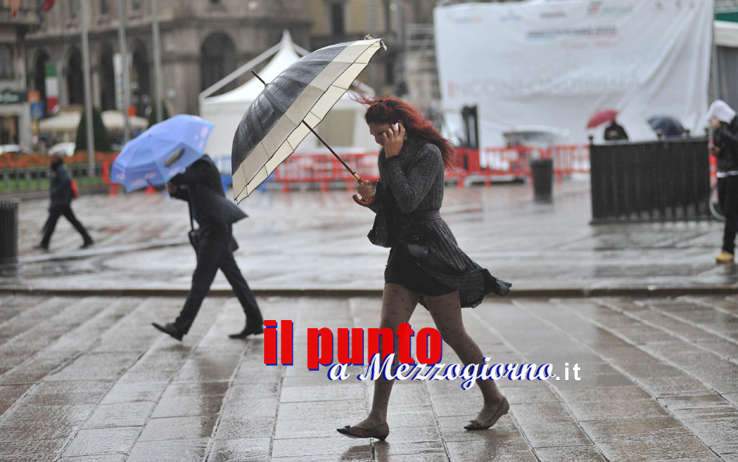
[201, 41]
[15, 112]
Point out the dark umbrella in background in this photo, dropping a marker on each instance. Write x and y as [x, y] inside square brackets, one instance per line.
[601, 117]
[290, 107]
[668, 127]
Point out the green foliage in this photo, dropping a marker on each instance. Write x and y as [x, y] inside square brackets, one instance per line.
[102, 139]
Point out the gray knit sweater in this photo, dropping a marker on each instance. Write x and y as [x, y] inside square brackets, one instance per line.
[414, 178]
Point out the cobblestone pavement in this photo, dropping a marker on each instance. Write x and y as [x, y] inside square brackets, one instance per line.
[85, 379]
[314, 240]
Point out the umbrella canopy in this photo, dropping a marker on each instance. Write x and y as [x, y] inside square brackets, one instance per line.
[161, 152]
[599, 118]
[669, 127]
[289, 108]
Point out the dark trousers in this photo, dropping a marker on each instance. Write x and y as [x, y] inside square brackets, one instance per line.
[213, 253]
[728, 198]
[54, 213]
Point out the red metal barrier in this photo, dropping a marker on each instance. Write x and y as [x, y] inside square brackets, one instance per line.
[507, 163]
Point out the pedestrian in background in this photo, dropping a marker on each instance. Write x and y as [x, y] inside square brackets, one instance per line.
[61, 193]
[723, 121]
[615, 132]
[201, 187]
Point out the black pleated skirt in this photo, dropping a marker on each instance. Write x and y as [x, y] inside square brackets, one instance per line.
[403, 269]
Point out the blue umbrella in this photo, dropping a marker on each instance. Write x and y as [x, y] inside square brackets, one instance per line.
[161, 152]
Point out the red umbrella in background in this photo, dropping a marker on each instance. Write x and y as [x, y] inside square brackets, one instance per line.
[607, 115]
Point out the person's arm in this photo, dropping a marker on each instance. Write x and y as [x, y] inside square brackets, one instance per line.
[727, 140]
[410, 189]
[178, 192]
[194, 174]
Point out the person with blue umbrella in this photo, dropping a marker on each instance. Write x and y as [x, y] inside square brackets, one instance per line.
[171, 153]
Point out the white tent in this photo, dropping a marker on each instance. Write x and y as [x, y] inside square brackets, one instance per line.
[343, 128]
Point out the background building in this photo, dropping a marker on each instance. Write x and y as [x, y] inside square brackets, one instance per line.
[15, 115]
[201, 41]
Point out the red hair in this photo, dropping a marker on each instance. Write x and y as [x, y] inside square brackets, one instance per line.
[388, 110]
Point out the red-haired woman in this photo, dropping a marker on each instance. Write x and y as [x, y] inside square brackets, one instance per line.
[425, 263]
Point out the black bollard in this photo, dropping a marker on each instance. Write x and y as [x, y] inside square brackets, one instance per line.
[542, 173]
[8, 232]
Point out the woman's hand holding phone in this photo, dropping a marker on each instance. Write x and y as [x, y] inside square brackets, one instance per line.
[394, 139]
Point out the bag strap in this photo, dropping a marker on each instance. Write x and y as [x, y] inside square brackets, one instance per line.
[189, 208]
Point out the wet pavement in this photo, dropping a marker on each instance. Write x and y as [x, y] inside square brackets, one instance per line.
[317, 240]
[85, 379]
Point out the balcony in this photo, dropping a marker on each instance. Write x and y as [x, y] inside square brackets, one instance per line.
[25, 16]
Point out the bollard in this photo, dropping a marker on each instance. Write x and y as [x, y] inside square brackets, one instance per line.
[542, 173]
[8, 232]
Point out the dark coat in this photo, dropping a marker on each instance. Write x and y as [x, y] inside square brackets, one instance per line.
[407, 202]
[200, 185]
[60, 187]
[725, 139]
[615, 132]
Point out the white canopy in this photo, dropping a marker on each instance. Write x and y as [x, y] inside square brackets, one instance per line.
[66, 122]
[343, 128]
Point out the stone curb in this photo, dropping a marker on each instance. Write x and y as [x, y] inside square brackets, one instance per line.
[572, 292]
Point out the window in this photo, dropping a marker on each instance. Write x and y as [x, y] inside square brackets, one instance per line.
[73, 9]
[136, 4]
[104, 7]
[215, 2]
[6, 62]
[337, 18]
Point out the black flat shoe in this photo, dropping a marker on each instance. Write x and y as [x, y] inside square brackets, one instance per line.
[502, 409]
[357, 432]
[169, 329]
[501, 287]
[87, 244]
[248, 330]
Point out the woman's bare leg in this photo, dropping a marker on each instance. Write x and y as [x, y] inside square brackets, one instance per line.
[398, 304]
[446, 312]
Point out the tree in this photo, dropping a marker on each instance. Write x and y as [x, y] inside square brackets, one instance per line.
[102, 139]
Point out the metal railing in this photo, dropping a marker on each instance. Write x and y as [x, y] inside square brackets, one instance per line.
[650, 181]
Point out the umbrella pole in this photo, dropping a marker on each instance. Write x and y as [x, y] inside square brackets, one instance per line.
[346, 166]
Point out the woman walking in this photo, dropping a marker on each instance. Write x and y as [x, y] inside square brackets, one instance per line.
[425, 264]
[725, 146]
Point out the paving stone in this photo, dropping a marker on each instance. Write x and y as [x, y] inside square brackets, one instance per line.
[300, 447]
[489, 451]
[240, 450]
[32, 450]
[178, 428]
[120, 415]
[569, 454]
[169, 451]
[102, 441]
[603, 410]
[232, 428]
[188, 406]
[134, 392]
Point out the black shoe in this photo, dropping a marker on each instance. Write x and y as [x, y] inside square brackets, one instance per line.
[501, 287]
[170, 329]
[87, 244]
[255, 329]
[41, 247]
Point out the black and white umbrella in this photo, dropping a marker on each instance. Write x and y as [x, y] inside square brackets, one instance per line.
[290, 107]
